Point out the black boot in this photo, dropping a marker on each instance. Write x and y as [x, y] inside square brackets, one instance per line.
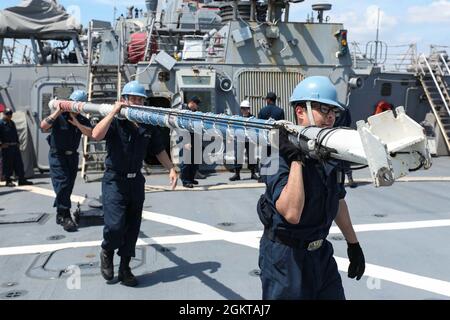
[254, 176]
[9, 183]
[236, 176]
[59, 216]
[107, 264]
[68, 224]
[125, 276]
[25, 182]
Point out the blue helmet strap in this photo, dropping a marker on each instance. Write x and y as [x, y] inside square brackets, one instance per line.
[310, 114]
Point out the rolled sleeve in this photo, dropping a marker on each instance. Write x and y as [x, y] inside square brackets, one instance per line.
[276, 183]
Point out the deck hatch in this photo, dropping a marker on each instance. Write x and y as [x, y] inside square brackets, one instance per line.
[20, 218]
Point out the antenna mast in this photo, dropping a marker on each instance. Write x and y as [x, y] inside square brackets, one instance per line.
[376, 38]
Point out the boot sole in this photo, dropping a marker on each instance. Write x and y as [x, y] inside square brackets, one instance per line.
[134, 284]
[106, 277]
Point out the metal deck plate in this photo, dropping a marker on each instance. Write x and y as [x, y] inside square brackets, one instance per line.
[18, 218]
[57, 264]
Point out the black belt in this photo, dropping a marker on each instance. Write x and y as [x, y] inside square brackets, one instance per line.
[64, 152]
[294, 242]
[127, 175]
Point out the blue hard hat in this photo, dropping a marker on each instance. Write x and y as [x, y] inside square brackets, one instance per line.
[316, 88]
[195, 99]
[134, 88]
[78, 95]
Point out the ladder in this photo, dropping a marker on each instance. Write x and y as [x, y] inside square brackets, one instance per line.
[103, 83]
[432, 74]
[104, 86]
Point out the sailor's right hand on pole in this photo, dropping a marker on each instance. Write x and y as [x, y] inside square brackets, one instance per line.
[117, 107]
[288, 150]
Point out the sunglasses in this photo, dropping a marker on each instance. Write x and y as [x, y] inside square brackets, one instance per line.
[324, 108]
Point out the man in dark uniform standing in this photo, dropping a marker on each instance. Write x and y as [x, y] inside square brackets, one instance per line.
[271, 110]
[11, 157]
[64, 140]
[245, 112]
[123, 182]
[188, 167]
[300, 203]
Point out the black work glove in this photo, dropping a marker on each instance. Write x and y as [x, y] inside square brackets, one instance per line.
[288, 150]
[357, 261]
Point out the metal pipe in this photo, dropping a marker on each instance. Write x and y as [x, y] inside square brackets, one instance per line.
[376, 39]
[270, 10]
[35, 52]
[252, 10]
[120, 61]
[286, 12]
[2, 41]
[41, 50]
[407, 96]
[389, 146]
[77, 50]
[89, 60]
[445, 62]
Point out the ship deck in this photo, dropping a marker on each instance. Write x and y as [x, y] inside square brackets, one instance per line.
[202, 244]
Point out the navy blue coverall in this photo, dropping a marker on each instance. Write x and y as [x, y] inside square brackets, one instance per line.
[289, 270]
[239, 158]
[11, 157]
[123, 183]
[188, 168]
[274, 112]
[271, 111]
[64, 141]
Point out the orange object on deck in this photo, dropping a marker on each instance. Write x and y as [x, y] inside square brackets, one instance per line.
[382, 106]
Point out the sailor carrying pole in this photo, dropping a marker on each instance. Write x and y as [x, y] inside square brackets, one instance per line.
[390, 146]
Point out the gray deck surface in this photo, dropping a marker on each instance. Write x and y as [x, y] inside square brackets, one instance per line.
[193, 259]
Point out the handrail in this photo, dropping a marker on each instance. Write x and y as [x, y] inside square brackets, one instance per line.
[149, 38]
[421, 68]
[436, 83]
[440, 69]
[445, 63]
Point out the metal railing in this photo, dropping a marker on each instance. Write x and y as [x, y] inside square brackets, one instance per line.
[396, 58]
[436, 82]
[444, 62]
